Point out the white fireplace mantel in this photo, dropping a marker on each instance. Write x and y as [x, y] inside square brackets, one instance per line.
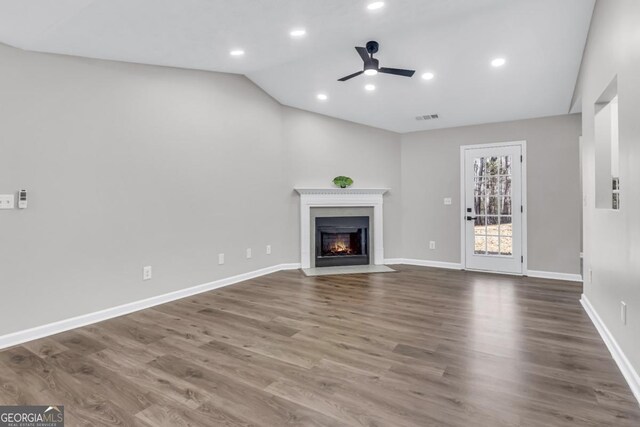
[340, 197]
[341, 191]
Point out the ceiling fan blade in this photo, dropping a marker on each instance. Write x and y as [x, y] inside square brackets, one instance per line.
[350, 76]
[397, 71]
[363, 54]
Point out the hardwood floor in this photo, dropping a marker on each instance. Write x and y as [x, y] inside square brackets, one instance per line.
[420, 347]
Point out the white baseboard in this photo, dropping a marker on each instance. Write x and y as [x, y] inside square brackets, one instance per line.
[392, 261]
[289, 266]
[629, 373]
[556, 276]
[458, 266]
[42, 331]
[424, 263]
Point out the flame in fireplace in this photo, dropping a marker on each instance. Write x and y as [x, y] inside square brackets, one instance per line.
[340, 247]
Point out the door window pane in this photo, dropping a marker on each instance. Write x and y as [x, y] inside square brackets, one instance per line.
[505, 206]
[479, 205]
[493, 206]
[506, 246]
[479, 186]
[478, 167]
[493, 245]
[504, 185]
[492, 165]
[491, 186]
[506, 228]
[492, 225]
[480, 245]
[505, 165]
[479, 226]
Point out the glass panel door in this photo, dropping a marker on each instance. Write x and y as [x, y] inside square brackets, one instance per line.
[492, 213]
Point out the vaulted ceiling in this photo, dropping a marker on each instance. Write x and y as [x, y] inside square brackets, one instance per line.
[456, 40]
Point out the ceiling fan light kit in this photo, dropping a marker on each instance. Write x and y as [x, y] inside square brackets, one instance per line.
[372, 65]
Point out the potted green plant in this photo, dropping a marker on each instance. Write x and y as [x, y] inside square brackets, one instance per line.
[342, 181]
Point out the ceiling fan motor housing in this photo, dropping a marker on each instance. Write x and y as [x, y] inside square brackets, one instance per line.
[372, 47]
[373, 64]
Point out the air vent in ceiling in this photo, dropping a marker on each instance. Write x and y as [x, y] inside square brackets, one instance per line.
[428, 117]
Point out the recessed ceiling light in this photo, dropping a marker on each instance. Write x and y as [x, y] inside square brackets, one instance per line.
[370, 87]
[322, 97]
[298, 32]
[236, 52]
[371, 72]
[428, 76]
[375, 5]
[498, 62]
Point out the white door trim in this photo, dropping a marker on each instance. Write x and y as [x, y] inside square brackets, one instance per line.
[523, 149]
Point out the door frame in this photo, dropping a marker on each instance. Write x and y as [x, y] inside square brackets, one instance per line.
[463, 234]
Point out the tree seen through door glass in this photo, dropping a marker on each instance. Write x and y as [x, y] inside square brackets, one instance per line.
[492, 206]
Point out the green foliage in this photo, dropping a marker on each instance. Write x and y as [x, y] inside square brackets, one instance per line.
[493, 165]
[342, 181]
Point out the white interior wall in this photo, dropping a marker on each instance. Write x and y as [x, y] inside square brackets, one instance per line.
[612, 238]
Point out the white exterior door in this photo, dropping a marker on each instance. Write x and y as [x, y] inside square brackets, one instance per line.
[493, 208]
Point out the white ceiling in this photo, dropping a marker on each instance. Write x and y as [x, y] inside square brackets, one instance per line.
[542, 41]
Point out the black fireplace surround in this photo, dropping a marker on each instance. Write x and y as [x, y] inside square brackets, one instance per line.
[342, 240]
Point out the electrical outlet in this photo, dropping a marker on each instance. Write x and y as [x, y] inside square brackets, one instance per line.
[432, 244]
[268, 249]
[146, 273]
[248, 252]
[7, 201]
[220, 259]
[623, 312]
[447, 200]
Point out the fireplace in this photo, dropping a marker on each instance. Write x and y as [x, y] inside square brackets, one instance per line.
[342, 240]
[341, 202]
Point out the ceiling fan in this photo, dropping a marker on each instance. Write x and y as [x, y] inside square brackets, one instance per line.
[371, 64]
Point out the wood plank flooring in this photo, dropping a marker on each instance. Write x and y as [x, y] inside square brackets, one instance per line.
[421, 347]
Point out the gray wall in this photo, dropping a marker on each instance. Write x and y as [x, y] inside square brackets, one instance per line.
[431, 172]
[612, 238]
[320, 148]
[130, 165]
[127, 166]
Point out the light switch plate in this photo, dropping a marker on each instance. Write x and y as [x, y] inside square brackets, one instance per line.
[7, 201]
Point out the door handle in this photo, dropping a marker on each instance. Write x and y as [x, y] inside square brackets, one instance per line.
[471, 218]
